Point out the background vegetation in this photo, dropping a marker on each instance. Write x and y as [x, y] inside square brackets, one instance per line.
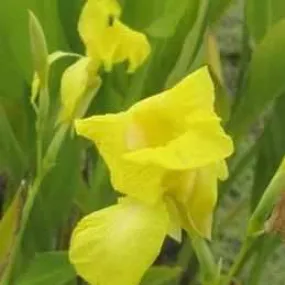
[244, 44]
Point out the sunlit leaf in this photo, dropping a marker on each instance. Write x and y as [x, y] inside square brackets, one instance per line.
[269, 13]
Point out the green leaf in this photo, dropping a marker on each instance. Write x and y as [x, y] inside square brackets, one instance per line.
[38, 48]
[12, 156]
[165, 26]
[51, 59]
[48, 268]
[165, 53]
[222, 99]
[269, 13]
[12, 83]
[192, 45]
[160, 275]
[8, 228]
[217, 8]
[69, 12]
[54, 201]
[271, 151]
[264, 249]
[140, 14]
[14, 24]
[265, 81]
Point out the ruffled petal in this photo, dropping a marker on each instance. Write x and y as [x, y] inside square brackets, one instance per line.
[116, 245]
[194, 92]
[133, 46]
[113, 136]
[109, 40]
[165, 116]
[204, 142]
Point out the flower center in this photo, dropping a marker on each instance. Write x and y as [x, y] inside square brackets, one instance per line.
[180, 184]
[152, 130]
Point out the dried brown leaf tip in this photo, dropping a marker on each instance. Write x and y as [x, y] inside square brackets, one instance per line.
[276, 222]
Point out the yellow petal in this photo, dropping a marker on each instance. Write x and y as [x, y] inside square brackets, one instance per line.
[192, 98]
[180, 184]
[222, 169]
[202, 201]
[194, 92]
[78, 82]
[113, 136]
[203, 143]
[172, 108]
[35, 89]
[193, 193]
[179, 126]
[116, 245]
[153, 138]
[174, 229]
[109, 40]
[133, 46]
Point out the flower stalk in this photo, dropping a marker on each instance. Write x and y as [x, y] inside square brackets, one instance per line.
[257, 221]
[271, 195]
[210, 271]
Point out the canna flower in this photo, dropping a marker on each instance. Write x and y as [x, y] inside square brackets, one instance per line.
[107, 39]
[166, 154]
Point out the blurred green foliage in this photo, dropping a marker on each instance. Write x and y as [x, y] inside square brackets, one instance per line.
[183, 37]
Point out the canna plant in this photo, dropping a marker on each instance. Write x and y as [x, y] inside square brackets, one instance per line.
[97, 174]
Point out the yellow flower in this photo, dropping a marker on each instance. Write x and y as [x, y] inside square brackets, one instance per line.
[166, 153]
[109, 40]
[79, 84]
[172, 132]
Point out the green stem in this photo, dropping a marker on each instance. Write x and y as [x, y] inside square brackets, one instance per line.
[45, 166]
[209, 269]
[24, 219]
[270, 196]
[185, 254]
[239, 261]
